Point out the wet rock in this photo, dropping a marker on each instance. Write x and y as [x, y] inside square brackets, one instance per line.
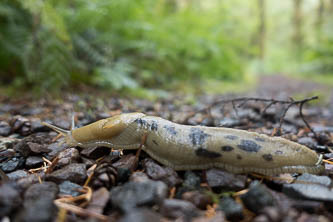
[17, 122]
[69, 188]
[33, 161]
[126, 162]
[5, 128]
[229, 122]
[257, 197]
[232, 210]
[139, 177]
[27, 181]
[200, 200]
[123, 174]
[95, 152]
[174, 208]
[38, 148]
[99, 200]
[272, 214]
[6, 154]
[75, 172]
[18, 174]
[9, 199]
[55, 149]
[218, 217]
[141, 215]
[309, 206]
[308, 141]
[45, 190]
[134, 194]
[38, 203]
[157, 172]
[68, 156]
[223, 179]
[12, 164]
[39, 138]
[37, 126]
[191, 180]
[310, 187]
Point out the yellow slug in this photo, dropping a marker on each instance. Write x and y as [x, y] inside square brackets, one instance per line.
[185, 147]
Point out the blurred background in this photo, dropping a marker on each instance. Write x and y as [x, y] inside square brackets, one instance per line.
[156, 46]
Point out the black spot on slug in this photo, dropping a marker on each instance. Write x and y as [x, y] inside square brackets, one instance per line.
[268, 157]
[249, 146]
[259, 139]
[231, 137]
[153, 126]
[227, 148]
[171, 129]
[239, 157]
[278, 152]
[146, 125]
[207, 153]
[154, 141]
[197, 136]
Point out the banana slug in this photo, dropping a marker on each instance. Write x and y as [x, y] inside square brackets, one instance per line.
[184, 147]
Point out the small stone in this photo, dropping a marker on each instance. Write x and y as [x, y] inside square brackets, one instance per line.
[9, 199]
[7, 143]
[12, 164]
[157, 172]
[139, 177]
[75, 172]
[229, 122]
[5, 128]
[232, 210]
[99, 200]
[308, 141]
[95, 152]
[37, 126]
[69, 188]
[218, 217]
[27, 181]
[272, 213]
[55, 149]
[257, 197]
[229, 181]
[33, 161]
[134, 194]
[126, 162]
[38, 148]
[174, 208]
[6, 154]
[199, 199]
[191, 180]
[68, 156]
[310, 187]
[45, 190]
[17, 122]
[141, 215]
[38, 203]
[18, 174]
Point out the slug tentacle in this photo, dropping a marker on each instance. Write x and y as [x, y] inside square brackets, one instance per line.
[185, 147]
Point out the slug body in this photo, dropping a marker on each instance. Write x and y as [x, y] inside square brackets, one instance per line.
[185, 147]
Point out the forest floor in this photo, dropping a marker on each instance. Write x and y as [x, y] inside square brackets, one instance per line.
[43, 180]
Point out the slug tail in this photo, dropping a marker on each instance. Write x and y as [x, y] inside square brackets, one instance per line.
[63, 132]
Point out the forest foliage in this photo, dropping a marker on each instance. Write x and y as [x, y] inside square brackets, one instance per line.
[135, 44]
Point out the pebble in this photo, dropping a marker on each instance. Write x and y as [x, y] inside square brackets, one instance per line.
[229, 122]
[135, 194]
[191, 180]
[125, 162]
[175, 209]
[6, 154]
[75, 172]
[232, 210]
[8, 143]
[223, 179]
[34, 161]
[257, 197]
[141, 215]
[12, 164]
[68, 156]
[310, 187]
[38, 148]
[38, 203]
[69, 188]
[55, 149]
[5, 128]
[199, 199]
[99, 200]
[18, 174]
[157, 172]
[9, 199]
[95, 152]
[308, 141]
[27, 181]
[37, 126]
[218, 217]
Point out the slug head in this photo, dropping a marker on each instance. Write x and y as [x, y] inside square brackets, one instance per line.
[101, 130]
